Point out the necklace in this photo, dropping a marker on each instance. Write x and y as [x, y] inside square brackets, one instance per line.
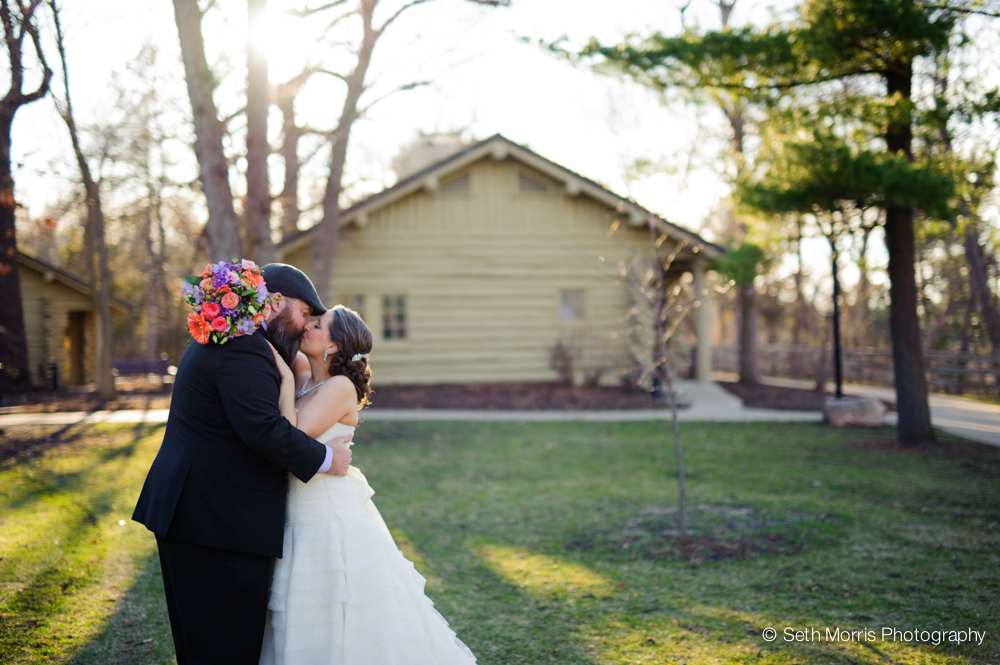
[303, 392]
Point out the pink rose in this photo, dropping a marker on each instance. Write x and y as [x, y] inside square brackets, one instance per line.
[230, 300]
[210, 310]
[219, 324]
[207, 284]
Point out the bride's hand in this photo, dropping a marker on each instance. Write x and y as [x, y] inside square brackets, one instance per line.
[286, 372]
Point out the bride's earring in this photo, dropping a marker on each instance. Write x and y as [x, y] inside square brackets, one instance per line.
[325, 354]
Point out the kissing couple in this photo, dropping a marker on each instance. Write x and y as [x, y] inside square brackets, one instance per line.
[271, 549]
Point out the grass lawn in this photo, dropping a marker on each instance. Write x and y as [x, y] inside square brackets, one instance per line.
[555, 542]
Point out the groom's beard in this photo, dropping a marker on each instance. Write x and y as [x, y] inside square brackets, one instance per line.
[281, 333]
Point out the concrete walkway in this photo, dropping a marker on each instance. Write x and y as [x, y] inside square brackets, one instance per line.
[709, 402]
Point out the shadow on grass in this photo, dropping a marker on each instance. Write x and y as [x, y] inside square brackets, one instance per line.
[138, 633]
[75, 566]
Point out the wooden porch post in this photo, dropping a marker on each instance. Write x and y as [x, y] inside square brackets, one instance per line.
[703, 323]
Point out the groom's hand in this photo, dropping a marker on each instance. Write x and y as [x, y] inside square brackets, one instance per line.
[341, 456]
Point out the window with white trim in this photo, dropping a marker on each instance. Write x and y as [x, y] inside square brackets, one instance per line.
[571, 305]
[393, 317]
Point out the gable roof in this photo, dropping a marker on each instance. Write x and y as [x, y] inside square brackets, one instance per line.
[500, 148]
[51, 273]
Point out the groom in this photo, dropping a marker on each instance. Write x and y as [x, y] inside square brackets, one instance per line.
[215, 495]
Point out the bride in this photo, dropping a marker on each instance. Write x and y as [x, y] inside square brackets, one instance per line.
[342, 593]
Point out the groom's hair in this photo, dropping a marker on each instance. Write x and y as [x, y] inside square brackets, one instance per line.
[283, 336]
[352, 337]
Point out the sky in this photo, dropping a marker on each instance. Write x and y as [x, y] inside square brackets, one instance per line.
[489, 75]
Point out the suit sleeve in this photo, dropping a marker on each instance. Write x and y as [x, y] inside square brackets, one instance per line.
[249, 385]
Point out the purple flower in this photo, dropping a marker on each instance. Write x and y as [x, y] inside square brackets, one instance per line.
[245, 326]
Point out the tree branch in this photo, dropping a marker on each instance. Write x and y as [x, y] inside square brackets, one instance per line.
[399, 11]
[402, 88]
[303, 13]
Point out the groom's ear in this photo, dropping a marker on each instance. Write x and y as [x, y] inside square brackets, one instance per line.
[277, 303]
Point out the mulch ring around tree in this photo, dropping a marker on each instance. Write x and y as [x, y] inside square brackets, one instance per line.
[511, 396]
[763, 396]
[717, 533]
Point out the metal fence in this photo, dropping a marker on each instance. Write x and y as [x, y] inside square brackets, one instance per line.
[946, 372]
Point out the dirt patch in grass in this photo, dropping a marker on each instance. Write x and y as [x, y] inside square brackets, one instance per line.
[764, 396]
[508, 396]
[40, 402]
[723, 533]
[695, 548]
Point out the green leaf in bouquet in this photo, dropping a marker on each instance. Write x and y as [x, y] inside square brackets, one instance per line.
[193, 280]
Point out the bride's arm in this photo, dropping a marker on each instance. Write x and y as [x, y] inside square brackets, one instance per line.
[286, 398]
[334, 399]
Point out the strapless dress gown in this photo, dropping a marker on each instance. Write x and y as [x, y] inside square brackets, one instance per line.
[343, 593]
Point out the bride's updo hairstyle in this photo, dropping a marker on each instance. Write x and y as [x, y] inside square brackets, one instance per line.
[352, 337]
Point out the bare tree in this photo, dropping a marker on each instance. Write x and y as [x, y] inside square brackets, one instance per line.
[222, 229]
[325, 247]
[17, 24]
[257, 211]
[662, 301]
[95, 221]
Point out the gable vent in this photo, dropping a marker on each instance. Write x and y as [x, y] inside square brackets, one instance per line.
[527, 184]
[457, 185]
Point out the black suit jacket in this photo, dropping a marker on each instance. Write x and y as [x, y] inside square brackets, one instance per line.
[220, 477]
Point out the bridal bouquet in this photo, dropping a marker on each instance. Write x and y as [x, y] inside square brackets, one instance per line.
[229, 300]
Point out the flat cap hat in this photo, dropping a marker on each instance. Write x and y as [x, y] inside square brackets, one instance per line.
[291, 282]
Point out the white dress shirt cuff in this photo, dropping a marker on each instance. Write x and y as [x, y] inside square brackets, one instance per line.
[328, 462]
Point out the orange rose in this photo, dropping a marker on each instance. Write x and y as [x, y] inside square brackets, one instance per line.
[230, 300]
[206, 284]
[199, 328]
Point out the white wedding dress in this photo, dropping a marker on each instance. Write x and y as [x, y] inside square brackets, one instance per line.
[342, 593]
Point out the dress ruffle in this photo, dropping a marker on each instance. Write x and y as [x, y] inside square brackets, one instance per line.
[343, 593]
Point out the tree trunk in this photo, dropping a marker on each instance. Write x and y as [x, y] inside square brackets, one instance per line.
[861, 312]
[799, 316]
[257, 215]
[95, 221]
[328, 237]
[749, 326]
[152, 284]
[289, 197]
[980, 284]
[904, 323]
[15, 376]
[222, 229]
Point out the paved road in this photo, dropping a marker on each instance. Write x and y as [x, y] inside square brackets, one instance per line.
[963, 417]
